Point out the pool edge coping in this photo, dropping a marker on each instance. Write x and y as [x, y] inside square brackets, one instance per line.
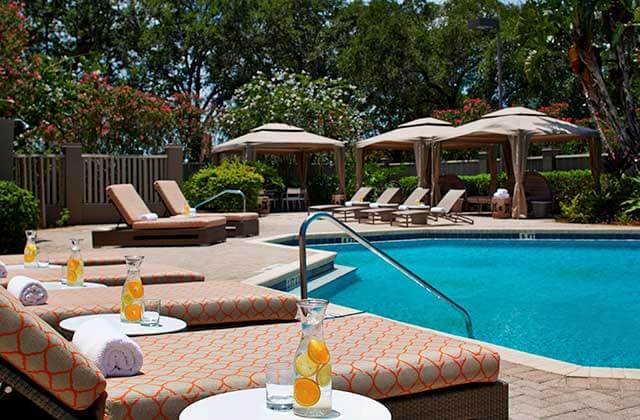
[547, 364]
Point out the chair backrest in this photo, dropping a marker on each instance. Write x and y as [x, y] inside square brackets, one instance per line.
[294, 192]
[390, 195]
[536, 187]
[171, 195]
[361, 195]
[34, 349]
[128, 202]
[418, 195]
[450, 182]
[450, 199]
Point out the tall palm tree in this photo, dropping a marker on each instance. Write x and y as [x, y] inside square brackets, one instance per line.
[604, 48]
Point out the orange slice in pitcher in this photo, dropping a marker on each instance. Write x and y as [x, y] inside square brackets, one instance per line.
[133, 312]
[318, 351]
[305, 366]
[135, 289]
[306, 392]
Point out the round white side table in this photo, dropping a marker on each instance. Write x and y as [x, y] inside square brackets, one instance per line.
[167, 324]
[58, 285]
[252, 404]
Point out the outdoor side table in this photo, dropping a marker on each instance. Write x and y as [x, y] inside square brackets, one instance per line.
[251, 404]
[500, 207]
[167, 324]
[338, 199]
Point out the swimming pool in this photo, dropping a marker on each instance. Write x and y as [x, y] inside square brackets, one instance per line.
[572, 300]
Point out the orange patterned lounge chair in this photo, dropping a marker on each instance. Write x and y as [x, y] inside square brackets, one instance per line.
[175, 230]
[112, 275]
[414, 372]
[197, 304]
[89, 256]
[238, 224]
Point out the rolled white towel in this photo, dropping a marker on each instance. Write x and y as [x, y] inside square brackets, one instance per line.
[192, 212]
[437, 210]
[149, 217]
[348, 203]
[374, 205]
[402, 207]
[501, 193]
[3, 270]
[113, 352]
[28, 291]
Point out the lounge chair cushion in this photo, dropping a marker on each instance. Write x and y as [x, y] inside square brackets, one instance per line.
[128, 201]
[114, 275]
[181, 222]
[204, 303]
[32, 346]
[370, 355]
[171, 196]
[90, 257]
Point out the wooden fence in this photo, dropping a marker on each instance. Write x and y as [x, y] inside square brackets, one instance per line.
[43, 175]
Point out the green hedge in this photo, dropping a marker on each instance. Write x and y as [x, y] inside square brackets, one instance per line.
[232, 174]
[321, 187]
[19, 211]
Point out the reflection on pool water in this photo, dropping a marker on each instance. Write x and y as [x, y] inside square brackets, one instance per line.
[573, 300]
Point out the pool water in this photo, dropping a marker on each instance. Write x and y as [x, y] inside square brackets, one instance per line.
[572, 300]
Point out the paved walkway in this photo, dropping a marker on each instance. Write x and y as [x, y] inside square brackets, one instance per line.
[534, 393]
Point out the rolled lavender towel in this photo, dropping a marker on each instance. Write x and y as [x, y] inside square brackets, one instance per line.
[3, 270]
[113, 352]
[29, 291]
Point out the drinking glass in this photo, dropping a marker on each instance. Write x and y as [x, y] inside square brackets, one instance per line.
[151, 312]
[279, 386]
[43, 260]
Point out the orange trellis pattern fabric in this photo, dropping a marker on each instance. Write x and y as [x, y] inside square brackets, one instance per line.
[113, 275]
[91, 257]
[372, 356]
[203, 303]
[34, 348]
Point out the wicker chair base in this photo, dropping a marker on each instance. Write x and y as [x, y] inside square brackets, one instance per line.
[473, 401]
[158, 237]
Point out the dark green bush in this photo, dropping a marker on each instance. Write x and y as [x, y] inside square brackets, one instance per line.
[272, 181]
[408, 184]
[479, 184]
[232, 174]
[381, 177]
[19, 211]
[321, 187]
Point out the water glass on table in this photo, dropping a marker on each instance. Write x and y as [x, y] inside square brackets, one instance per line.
[150, 312]
[279, 386]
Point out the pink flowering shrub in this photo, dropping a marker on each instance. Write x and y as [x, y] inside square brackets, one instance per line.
[471, 110]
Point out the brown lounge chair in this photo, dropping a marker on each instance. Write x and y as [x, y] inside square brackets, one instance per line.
[385, 214]
[416, 373]
[112, 275]
[538, 192]
[389, 198]
[359, 197]
[444, 209]
[238, 224]
[197, 304]
[175, 230]
[90, 257]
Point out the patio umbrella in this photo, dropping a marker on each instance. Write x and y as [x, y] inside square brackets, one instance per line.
[275, 138]
[413, 135]
[517, 127]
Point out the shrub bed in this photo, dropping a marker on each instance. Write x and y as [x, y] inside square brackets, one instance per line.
[231, 174]
[19, 211]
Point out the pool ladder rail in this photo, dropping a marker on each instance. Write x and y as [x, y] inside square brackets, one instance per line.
[302, 246]
[223, 192]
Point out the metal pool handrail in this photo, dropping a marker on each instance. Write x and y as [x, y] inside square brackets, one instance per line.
[238, 192]
[302, 246]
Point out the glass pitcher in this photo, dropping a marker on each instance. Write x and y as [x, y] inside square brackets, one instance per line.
[75, 265]
[312, 363]
[31, 249]
[132, 292]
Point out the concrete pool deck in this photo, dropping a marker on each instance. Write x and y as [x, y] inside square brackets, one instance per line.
[539, 388]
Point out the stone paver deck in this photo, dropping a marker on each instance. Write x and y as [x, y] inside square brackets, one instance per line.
[534, 393]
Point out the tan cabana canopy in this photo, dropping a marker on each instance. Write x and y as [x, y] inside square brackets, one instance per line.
[515, 128]
[277, 138]
[414, 135]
